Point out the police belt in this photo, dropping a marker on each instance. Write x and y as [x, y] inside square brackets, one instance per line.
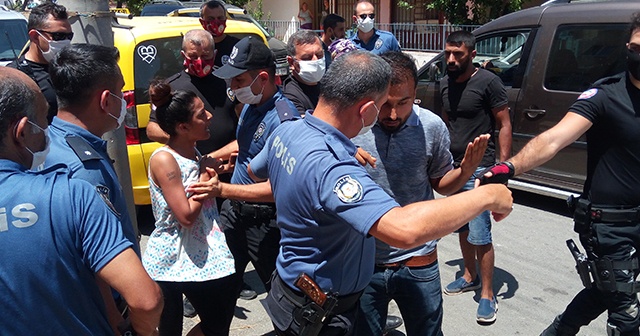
[345, 302]
[254, 210]
[613, 215]
[415, 261]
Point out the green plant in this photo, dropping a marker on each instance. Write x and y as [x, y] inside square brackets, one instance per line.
[475, 11]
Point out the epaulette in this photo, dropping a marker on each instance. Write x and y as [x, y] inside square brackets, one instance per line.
[172, 78]
[286, 111]
[83, 150]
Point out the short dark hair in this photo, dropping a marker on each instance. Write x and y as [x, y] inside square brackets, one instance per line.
[302, 36]
[353, 76]
[635, 23]
[174, 107]
[462, 37]
[331, 21]
[17, 100]
[78, 70]
[213, 4]
[40, 15]
[403, 67]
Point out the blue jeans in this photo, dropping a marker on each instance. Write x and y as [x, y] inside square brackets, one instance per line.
[418, 293]
[480, 227]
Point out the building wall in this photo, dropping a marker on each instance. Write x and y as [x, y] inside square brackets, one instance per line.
[282, 9]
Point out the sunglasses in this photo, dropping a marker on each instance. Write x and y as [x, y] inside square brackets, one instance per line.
[58, 36]
[364, 16]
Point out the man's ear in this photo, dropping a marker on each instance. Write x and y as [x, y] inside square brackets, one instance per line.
[364, 107]
[18, 135]
[104, 100]
[290, 61]
[473, 54]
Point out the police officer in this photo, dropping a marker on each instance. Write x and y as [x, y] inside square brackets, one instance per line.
[88, 83]
[49, 32]
[329, 207]
[57, 235]
[606, 215]
[368, 38]
[249, 226]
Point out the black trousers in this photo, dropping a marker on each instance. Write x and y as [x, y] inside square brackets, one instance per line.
[618, 242]
[251, 239]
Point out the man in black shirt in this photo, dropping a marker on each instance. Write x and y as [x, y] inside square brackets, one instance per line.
[333, 29]
[49, 32]
[306, 60]
[607, 213]
[475, 102]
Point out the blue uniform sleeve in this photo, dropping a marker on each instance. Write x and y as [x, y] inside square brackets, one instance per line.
[395, 45]
[100, 230]
[259, 163]
[348, 192]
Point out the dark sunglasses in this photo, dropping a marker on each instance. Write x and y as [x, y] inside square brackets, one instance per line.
[371, 16]
[58, 36]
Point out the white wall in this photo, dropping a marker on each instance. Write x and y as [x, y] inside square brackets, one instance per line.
[280, 9]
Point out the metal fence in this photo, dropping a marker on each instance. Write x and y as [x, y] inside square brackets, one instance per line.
[412, 36]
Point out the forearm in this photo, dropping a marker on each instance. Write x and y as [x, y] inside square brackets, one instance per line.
[504, 141]
[538, 151]
[114, 316]
[415, 224]
[225, 152]
[145, 322]
[453, 181]
[155, 133]
[257, 192]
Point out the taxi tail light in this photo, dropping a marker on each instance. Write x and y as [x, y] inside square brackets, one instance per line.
[131, 120]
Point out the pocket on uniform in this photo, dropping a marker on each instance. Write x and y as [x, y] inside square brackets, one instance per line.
[279, 308]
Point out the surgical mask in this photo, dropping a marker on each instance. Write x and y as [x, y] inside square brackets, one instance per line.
[215, 27]
[123, 111]
[367, 128]
[633, 64]
[54, 48]
[245, 96]
[39, 157]
[365, 25]
[312, 71]
[199, 67]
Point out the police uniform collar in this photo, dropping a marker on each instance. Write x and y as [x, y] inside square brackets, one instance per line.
[67, 128]
[330, 131]
[268, 105]
[8, 165]
[375, 33]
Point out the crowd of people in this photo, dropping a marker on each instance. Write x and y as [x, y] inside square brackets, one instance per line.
[326, 184]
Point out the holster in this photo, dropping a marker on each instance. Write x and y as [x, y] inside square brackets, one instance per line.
[310, 316]
[581, 210]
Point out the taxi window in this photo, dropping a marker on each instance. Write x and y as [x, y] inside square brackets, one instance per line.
[582, 54]
[155, 58]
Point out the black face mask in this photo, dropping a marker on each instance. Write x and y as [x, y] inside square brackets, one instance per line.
[633, 64]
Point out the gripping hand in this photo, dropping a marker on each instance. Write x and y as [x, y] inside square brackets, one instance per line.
[498, 173]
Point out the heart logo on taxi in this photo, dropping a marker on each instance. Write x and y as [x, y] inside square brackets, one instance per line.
[147, 53]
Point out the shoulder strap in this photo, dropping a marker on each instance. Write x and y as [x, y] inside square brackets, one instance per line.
[285, 110]
[83, 150]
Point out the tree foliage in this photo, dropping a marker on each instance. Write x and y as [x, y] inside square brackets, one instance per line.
[475, 11]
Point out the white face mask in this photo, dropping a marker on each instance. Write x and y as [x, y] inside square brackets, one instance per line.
[367, 128]
[365, 25]
[246, 96]
[39, 157]
[123, 111]
[54, 48]
[312, 71]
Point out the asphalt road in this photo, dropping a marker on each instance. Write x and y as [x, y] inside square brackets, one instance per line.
[534, 277]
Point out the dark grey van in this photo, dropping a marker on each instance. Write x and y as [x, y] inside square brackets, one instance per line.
[546, 56]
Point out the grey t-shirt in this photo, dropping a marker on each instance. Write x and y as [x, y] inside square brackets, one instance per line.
[407, 160]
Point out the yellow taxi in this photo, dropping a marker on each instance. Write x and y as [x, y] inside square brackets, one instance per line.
[150, 47]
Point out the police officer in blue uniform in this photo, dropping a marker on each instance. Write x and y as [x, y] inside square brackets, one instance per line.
[88, 83]
[249, 225]
[329, 208]
[607, 214]
[368, 38]
[57, 235]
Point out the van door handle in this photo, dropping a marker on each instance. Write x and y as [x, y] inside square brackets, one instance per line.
[534, 113]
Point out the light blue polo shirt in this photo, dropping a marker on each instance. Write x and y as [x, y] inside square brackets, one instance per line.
[380, 42]
[327, 203]
[407, 160]
[255, 124]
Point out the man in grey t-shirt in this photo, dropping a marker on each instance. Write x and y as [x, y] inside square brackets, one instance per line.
[412, 147]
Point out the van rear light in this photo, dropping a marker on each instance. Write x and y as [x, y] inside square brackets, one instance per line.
[131, 120]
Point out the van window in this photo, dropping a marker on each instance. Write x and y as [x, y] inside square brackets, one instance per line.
[582, 54]
[13, 37]
[500, 53]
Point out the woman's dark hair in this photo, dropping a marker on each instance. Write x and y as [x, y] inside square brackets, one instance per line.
[172, 108]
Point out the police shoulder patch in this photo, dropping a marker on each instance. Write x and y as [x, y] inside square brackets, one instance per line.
[103, 191]
[588, 94]
[348, 189]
